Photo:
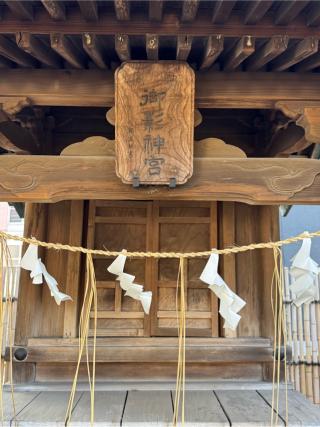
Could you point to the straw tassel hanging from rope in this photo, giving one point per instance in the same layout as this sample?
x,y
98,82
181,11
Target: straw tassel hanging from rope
x,y
181,321
280,336
89,300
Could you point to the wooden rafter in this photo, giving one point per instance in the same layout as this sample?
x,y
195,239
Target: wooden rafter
x,y
189,10
184,44
68,50
295,54
256,10
95,88
155,10
221,11
213,49
152,47
269,51
309,64
35,47
21,9
122,8
95,49
9,50
313,16
122,46
288,11
5,63
255,181
56,9
241,51
89,10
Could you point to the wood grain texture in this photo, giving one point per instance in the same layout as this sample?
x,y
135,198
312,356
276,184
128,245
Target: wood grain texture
x,y
202,409
245,408
301,410
95,88
205,23
252,180
153,350
154,122
108,409
21,400
306,114
48,408
148,409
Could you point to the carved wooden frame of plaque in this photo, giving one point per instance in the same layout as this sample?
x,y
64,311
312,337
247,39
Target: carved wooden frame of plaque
x,y
154,122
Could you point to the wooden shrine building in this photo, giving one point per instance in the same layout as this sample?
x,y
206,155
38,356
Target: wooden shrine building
x,y
252,114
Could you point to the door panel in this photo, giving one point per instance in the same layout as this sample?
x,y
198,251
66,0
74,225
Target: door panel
x,y
115,226
153,226
183,227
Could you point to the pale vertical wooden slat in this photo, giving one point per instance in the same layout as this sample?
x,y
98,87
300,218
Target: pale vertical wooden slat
x,y
145,408
228,262
214,244
155,266
108,409
70,327
149,269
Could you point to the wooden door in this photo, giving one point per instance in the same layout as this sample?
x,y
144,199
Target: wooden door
x,y
183,227
144,226
115,226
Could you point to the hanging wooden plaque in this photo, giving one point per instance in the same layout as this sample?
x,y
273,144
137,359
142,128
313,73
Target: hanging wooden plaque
x,y
154,115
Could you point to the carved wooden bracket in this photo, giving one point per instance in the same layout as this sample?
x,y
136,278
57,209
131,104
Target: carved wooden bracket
x,y
12,105
17,135
306,115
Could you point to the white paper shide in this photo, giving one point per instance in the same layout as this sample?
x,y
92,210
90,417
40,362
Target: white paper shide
x,y
303,271
31,261
133,290
230,302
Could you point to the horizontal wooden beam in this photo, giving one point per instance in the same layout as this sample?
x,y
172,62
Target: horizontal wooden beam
x,y
169,25
252,180
154,350
95,88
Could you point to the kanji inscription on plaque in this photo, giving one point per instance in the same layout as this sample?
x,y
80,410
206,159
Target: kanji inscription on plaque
x,y
154,119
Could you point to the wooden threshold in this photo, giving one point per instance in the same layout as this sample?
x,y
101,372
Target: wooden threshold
x,y
271,181
144,350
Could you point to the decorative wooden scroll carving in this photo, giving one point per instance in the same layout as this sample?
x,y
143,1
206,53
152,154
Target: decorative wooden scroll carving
x,y
154,118
253,180
305,114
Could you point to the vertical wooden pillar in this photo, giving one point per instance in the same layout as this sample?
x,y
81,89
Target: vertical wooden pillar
x,y
29,306
268,217
248,272
227,239
70,323
30,296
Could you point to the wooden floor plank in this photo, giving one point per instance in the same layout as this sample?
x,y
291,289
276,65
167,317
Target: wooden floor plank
x,y
108,409
202,409
21,400
245,408
144,408
47,409
301,411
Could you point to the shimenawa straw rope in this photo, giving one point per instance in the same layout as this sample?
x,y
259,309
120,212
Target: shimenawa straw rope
x,y
91,298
